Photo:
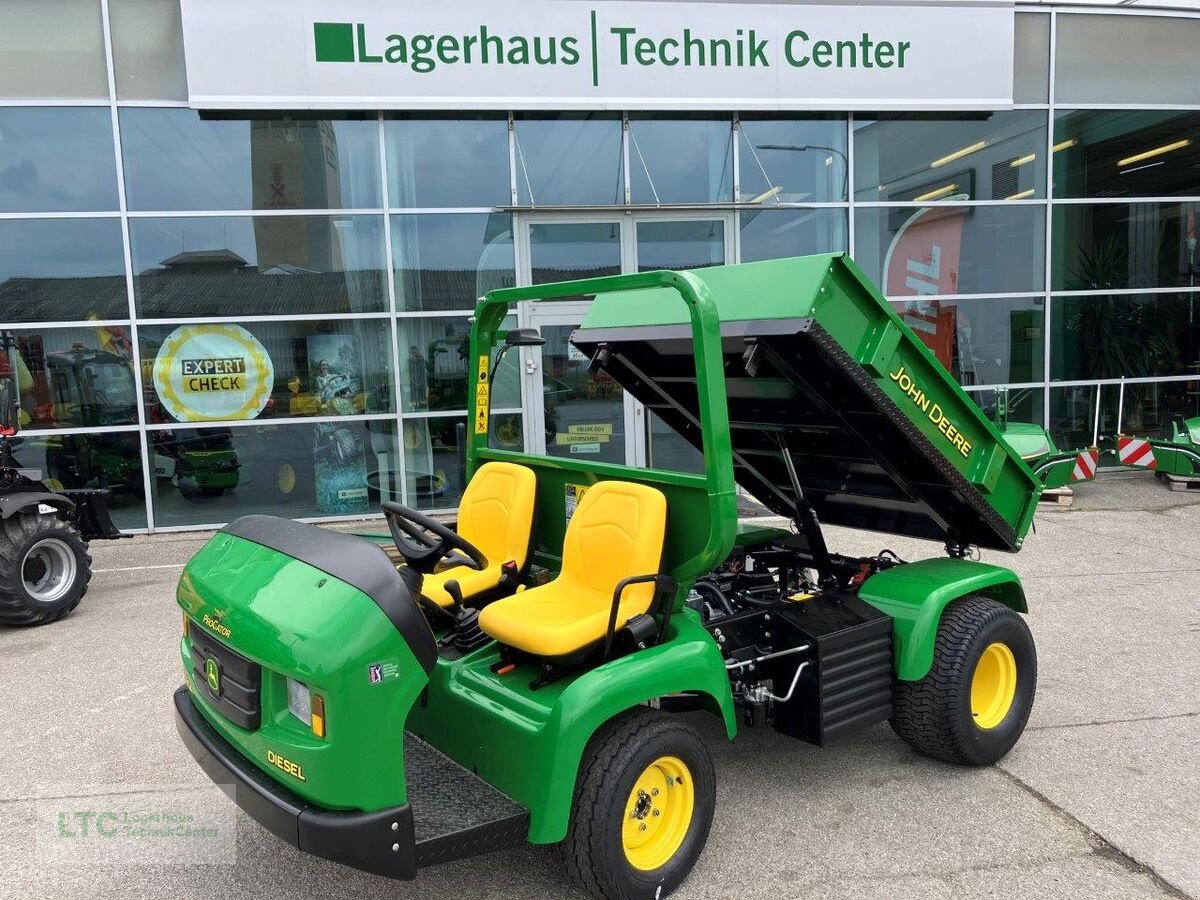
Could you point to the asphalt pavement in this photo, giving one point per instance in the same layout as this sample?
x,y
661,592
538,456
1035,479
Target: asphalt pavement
x,y
1099,799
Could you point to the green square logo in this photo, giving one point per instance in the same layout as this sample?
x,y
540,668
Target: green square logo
x,y
335,41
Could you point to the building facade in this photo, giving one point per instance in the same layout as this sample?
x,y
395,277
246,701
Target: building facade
x,y
213,313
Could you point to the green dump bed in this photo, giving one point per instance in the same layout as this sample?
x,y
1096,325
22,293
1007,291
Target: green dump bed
x,y
819,369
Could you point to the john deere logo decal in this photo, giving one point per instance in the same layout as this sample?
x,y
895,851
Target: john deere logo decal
x,y
212,674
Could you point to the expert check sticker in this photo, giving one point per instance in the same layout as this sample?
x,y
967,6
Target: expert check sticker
x,y
388,670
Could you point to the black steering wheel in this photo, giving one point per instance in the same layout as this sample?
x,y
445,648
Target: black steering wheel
x,y
424,543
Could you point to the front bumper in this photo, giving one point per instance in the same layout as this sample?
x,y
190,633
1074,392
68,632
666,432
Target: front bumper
x,y
381,842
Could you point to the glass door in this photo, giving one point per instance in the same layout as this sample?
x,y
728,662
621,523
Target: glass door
x,y
572,412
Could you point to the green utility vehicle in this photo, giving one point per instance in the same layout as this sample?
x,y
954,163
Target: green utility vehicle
x,y
518,679
1176,453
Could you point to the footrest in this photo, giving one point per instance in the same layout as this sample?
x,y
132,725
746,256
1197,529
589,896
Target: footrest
x,y
455,812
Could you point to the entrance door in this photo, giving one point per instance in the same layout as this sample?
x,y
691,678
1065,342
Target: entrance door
x,y
573,413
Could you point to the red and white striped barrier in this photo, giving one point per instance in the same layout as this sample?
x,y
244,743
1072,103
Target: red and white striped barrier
x,y
1136,452
1085,465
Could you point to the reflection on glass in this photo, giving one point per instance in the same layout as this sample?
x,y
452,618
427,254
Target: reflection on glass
x,y
262,265
177,159
792,159
110,461
328,368
443,161
982,341
435,460
1125,335
1154,409
668,451
506,431
1024,405
1127,153
434,363
1125,245
680,158
585,413
777,234
565,158
60,269
73,377
449,261
57,159
925,156
1073,414
212,475
565,252
951,250
683,244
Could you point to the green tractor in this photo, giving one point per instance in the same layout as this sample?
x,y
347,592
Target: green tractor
x,y
518,678
44,530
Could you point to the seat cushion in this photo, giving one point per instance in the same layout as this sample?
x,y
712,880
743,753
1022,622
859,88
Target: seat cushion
x,y
617,532
470,581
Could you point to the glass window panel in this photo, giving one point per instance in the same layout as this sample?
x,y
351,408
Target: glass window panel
x,y
584,411
669,451
982,341
570,250
952,250
212,475
441,161
1152,408
1031,59
1127,153
1124,245
80,377
682,244
435,460
777,234
261,265
328,368
57,159
794,159
569,158
435,369
1024,405
1125,335
52,48
176,159
1073,415
930,156
450,261
680,158
147,39
1126,59
110,461
61,269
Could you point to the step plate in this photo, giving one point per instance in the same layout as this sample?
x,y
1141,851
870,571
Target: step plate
x,y
455,812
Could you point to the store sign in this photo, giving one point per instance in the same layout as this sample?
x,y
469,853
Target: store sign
x,y
205,373
556,54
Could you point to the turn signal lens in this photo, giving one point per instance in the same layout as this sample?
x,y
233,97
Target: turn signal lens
x,y
318,715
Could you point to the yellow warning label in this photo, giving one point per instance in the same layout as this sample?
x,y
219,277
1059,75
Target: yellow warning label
x,y
564,439
605,428
482,394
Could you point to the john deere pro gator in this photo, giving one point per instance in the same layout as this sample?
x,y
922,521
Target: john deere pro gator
x,y
518,678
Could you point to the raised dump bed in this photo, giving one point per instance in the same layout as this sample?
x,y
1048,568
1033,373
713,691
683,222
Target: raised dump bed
x,y
824,383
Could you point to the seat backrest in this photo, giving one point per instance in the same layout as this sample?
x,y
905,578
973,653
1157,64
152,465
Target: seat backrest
x,y
617,532
496,512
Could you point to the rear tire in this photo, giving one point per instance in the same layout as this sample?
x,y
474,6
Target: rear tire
x,y
644,804
44,569
973,705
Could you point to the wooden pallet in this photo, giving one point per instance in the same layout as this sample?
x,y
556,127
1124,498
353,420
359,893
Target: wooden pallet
x,y
1178,483
1062,496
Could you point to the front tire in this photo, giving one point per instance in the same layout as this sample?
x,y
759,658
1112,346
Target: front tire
x,y
973,705
44,569
643,808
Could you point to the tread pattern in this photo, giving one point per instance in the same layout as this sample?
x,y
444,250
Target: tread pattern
x,y
619,738
16,533
927,713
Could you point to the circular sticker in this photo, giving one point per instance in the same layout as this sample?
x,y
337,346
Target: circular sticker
x,y
204,373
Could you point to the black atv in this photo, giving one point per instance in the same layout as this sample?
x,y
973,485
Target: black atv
x,y
44,563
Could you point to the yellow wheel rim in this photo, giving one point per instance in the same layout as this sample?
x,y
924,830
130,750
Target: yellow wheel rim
x,y
658,813
993,686
286,479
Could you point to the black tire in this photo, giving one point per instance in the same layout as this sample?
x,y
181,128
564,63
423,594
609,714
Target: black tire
x,y
935,716
593,853
26,539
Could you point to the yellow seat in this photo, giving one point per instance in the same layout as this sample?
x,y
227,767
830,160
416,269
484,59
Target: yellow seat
x,y
617,532
496,515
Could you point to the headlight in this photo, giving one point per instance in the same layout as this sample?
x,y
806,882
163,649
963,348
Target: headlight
x,y
309,708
